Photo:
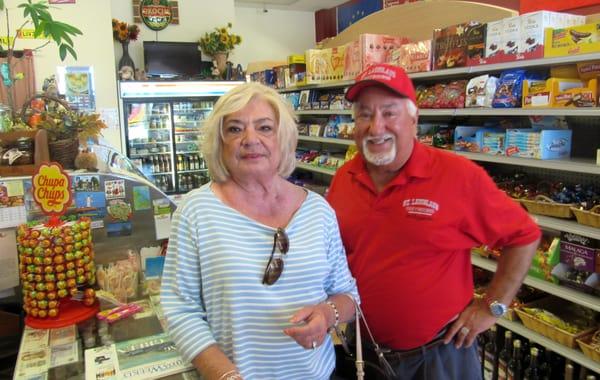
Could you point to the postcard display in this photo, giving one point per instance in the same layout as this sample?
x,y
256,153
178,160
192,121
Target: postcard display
x,y
163,123
112,213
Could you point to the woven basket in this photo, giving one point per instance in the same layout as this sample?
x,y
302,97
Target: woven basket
x,y
64,152
546,329
542,205
61,151
587,348
588,217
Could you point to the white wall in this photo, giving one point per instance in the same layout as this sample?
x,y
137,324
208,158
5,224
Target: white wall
x,y
195,18
94,48
273,35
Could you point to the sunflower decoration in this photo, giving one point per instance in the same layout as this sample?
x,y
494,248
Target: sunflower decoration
x,y
123,32
220,40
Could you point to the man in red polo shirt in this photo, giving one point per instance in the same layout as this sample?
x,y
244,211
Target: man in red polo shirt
x,y
409,215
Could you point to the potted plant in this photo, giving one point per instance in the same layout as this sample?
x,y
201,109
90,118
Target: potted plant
x,y
123,33
219,43
37,14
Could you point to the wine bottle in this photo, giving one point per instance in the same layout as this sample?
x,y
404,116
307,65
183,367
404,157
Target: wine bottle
x,y
532,372
490,357
515,365
504,356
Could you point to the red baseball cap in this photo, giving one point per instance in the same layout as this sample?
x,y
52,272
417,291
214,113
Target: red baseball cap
x,y
391,77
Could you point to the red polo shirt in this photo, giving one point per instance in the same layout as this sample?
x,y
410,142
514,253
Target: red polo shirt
x,y
409,246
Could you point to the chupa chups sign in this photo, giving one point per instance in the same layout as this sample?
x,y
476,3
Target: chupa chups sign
x,y
156,14
51,188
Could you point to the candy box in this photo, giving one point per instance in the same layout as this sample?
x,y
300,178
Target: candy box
x,y
493,38
377,48
466,139
511,35
578,256
533,25
318,67
576,95
413,57
545,144
492,141
546,257
297,69
579,39
577,279
352,60
336,63
450,47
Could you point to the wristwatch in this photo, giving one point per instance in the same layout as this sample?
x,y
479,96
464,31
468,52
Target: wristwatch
x,y
497,308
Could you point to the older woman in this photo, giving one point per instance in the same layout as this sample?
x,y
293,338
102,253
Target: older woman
x,y
255,273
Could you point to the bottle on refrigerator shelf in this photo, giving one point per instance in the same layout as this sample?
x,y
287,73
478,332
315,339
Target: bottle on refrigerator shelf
x,y
179,163
490,356
569,371
532,372
504,356
515,365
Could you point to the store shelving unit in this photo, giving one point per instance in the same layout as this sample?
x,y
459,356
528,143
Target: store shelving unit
x,y
581,167
326,140
569,353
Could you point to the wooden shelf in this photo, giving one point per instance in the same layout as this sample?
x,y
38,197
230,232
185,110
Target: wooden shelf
x,y
587,300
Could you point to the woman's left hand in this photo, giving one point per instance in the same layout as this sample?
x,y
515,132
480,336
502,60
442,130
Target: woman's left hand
x,y
312,333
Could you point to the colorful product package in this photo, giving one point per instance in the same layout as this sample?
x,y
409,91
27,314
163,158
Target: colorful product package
x,y
317,65
509,90
573,40
544,144
493,38
480,91
413,57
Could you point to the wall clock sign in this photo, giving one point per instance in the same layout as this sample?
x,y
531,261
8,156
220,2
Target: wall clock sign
x,y
156,14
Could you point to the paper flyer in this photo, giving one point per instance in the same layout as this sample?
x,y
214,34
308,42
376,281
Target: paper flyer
x,y
102,363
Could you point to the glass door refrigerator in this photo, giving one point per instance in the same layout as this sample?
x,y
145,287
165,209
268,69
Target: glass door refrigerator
x,y
162,124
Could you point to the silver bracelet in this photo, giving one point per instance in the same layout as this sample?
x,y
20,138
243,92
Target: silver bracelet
x,y
336,313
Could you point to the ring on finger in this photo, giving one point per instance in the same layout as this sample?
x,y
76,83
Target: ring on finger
x,y
464,330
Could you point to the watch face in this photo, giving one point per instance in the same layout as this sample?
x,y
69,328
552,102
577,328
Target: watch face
x,y
497,309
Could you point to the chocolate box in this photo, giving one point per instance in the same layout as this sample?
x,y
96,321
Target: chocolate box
x,y
578,256
450,47
533,25
511,35
493,38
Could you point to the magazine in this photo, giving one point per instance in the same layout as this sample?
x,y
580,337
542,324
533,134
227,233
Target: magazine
x,y
149,357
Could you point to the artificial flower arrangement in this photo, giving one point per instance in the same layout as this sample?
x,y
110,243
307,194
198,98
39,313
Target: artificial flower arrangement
x,y
221,40
123,32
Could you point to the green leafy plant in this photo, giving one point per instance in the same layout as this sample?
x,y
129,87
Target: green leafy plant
x,y
36,14
66,124
220,40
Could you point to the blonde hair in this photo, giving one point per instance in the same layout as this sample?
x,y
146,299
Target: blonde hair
x,y
235,100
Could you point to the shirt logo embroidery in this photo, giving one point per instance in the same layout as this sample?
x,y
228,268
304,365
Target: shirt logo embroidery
x,y
419,206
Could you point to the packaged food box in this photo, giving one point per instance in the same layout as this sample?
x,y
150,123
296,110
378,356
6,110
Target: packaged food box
x,y
352,60
545,144
451,44
578,252
466,139
336,63
297,69
492,141
493,38
547,256
577,279
413,57
317,65
533,25
511,35
559,92
579,39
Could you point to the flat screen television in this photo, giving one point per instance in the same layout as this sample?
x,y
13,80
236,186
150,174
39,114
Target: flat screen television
x,y
172,59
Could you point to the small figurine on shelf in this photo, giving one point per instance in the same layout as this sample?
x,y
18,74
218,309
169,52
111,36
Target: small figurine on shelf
x,y
126,73
87,160
140,74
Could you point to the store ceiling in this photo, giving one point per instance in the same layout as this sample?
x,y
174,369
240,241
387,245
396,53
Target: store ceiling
x,y
290,5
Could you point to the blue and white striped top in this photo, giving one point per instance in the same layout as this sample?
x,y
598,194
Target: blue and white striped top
x,y
212,287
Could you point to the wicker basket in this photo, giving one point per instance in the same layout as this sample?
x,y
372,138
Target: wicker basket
x,y
587,348
64,152
546,329
542,205
588,217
